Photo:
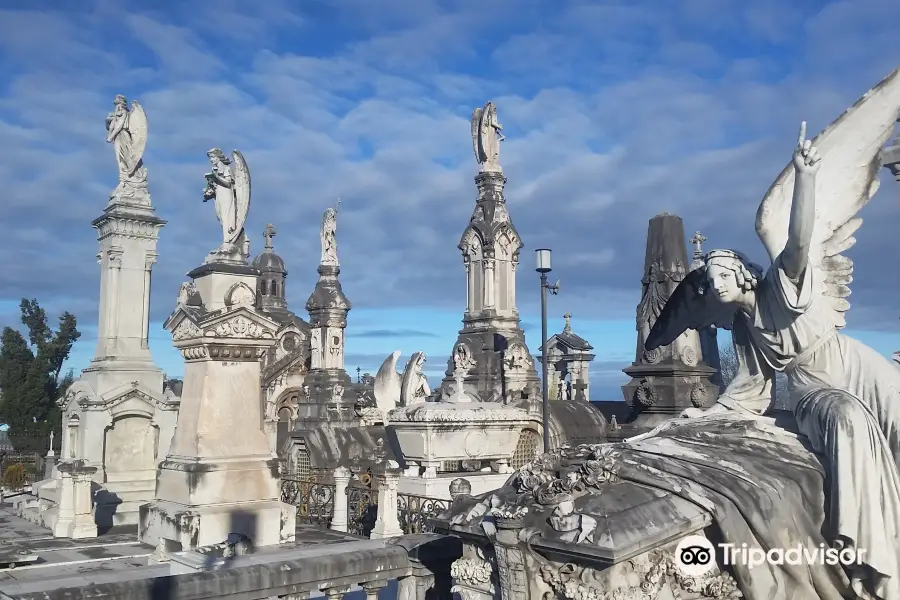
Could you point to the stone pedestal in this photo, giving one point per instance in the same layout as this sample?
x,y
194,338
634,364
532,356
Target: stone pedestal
x,y
667,380
75,519
387,523
220,476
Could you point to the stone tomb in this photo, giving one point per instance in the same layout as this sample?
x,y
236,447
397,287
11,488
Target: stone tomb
x,y
216,481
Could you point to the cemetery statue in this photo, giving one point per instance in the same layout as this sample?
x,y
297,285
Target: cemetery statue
x,y
415,385
127,132
486,137
844,396
327,237
229,187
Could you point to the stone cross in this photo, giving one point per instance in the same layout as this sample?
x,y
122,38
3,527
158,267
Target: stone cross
x,y
580,386
51,453
269,233
697,239
568,327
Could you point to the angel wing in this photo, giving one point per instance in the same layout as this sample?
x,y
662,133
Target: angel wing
x,y
851,157
691,306
137,127
387,383
476,134
241,188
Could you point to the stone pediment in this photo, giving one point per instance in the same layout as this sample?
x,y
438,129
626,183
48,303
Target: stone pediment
x,y
127,397
78,394
241,322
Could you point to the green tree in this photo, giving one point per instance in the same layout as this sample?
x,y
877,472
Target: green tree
x,y
30,379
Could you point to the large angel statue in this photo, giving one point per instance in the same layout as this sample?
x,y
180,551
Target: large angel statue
x,y
127,131
487,133
830,474
229,187
328,237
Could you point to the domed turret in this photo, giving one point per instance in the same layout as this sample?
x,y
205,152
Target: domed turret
x,y
270,288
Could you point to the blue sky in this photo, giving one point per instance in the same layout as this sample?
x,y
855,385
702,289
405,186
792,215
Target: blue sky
x,y
613,112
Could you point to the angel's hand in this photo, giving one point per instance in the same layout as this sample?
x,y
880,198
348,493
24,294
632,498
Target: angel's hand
x,y
806,156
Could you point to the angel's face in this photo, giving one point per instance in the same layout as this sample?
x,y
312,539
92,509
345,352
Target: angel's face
x,y
723,283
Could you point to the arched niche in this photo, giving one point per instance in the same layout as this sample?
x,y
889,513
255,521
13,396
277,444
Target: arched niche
x,y
130,447
473,259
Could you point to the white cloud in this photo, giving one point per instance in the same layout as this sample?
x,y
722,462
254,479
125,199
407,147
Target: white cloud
x,y
612,113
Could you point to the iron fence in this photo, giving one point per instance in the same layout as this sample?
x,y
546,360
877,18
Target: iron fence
x,y
314,500
414,512
362,509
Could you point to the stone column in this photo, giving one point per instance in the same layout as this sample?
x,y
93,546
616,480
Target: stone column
x,y
372,588
341,482
113,301
149,261
387,524
489,283
76,519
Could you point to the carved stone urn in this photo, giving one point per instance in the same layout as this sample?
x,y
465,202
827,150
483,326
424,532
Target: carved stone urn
x,y
430,433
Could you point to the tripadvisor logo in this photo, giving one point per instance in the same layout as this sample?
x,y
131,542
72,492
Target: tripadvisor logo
x,y
696,555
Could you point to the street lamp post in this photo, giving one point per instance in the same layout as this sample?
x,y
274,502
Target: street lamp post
x,y
544,267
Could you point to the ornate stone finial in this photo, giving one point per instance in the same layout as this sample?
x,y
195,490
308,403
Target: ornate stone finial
x,y
568,327
486,137
269,233
697,240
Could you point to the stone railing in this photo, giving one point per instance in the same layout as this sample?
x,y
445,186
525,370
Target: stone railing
x,y
420,564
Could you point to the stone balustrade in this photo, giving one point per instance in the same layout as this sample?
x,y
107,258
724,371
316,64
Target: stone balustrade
x,y
418,562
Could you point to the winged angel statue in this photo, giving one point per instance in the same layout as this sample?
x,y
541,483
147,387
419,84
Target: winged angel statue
x,y
229,187
828,476
127,132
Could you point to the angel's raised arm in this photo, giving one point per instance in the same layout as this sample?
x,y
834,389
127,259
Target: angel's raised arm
x,y
795,256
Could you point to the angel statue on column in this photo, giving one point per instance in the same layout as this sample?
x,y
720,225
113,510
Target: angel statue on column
x,y
327,236
826,473
229,188
127,131
487,133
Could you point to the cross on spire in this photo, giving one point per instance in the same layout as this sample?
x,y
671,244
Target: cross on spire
x,y
697,239
568,318
269,233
